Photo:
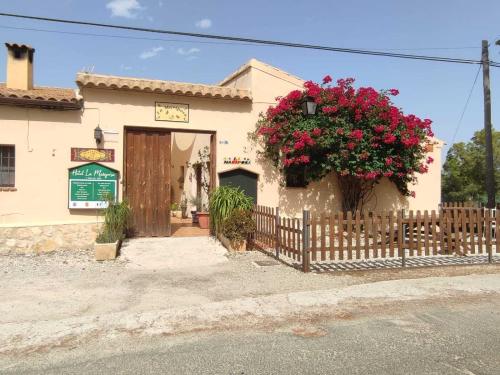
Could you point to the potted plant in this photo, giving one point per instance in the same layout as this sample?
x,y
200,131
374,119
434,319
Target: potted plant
x,y
203,218
175,209
196,203
236,229
184,205
223,201
109,239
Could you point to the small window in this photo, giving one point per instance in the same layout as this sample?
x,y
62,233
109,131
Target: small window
x,y
7,166
295,177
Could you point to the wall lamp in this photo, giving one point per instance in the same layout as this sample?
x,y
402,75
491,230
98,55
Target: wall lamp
x,y
98,134
309,106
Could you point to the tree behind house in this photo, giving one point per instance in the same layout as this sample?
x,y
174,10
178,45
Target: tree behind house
x,y
464,171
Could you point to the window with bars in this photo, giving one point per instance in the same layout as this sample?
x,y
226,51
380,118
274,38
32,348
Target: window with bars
x,y
295,177
7,165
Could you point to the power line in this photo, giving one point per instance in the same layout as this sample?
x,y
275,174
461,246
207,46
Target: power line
x,y
465,106
254,41
203,42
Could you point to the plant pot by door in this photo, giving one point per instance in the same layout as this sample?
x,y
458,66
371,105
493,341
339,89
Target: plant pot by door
x,y
194,215
203,220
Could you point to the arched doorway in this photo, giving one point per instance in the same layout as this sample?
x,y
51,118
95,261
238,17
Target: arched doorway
x,y
245,180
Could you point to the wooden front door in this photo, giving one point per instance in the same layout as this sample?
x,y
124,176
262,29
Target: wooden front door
x,y
147,181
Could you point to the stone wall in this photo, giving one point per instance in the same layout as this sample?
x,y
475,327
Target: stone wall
x,y
47,238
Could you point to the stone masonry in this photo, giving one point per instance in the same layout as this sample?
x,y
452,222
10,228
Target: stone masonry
x,y
37,239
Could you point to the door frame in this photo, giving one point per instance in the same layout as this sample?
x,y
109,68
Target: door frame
x,y
213,151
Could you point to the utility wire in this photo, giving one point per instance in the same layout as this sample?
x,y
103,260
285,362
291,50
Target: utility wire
x,y
465,106
198,41
254,41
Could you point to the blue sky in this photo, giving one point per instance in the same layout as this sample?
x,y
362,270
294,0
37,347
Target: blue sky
x,y
432,90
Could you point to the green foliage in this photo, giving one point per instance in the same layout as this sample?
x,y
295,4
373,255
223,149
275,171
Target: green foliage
x,y
358,134
174,206
223,201
238,225
464,171
116,217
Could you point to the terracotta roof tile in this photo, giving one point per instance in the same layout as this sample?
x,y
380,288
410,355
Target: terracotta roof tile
x,y
158,86
45,95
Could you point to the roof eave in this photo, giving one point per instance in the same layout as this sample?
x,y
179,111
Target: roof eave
x,y
44,104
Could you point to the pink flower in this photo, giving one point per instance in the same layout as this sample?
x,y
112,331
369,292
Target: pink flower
x,y
413,194
430,160
299,145
351,145
379,128
332,109
388,161
304,159
393,92
388,174
316,132
327,79
340,131
356,134
389,138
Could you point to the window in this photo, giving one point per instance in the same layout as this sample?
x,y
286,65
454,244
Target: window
x,y
7,165
295,177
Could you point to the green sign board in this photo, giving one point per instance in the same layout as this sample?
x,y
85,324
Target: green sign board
x,y
92,185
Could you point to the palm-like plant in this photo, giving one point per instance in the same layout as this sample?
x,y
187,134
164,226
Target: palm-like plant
x,y
223,201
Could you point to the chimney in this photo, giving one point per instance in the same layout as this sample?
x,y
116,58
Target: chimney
x,y
19,66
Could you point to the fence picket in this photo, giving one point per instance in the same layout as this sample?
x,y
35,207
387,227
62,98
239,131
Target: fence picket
x,y
358,234
340,217
410,234
383,234
426,232
465,214
313,238
349,235
434,232
322,238
419,232
366,222
391,234
331,221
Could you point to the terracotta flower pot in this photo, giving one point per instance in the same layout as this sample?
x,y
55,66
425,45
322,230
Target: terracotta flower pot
x,y
203,220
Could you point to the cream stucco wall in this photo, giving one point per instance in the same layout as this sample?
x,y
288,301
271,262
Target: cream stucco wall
x,y
43,140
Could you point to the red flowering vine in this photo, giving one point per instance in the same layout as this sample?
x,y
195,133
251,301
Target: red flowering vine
x,y
357,133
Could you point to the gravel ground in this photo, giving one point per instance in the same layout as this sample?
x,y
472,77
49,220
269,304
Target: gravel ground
x,y
66,284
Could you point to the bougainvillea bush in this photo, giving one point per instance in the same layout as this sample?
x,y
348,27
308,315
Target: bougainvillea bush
x,y
357,133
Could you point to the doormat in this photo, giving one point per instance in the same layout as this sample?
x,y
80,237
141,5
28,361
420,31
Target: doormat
x,y
266,263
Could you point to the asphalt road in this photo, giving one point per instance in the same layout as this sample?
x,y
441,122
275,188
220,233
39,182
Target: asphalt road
x,y
423,338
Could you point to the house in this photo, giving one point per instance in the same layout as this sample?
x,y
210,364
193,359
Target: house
x,y
62,150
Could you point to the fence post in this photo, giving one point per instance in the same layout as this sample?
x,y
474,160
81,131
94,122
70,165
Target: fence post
x,y
401,237
277,232
487,219
305,240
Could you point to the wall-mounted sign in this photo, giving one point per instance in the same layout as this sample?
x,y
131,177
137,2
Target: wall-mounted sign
x,y
92,154
171,112
92,186
236,160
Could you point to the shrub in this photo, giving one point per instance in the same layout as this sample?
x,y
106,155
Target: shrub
x,y
116,217
238,225
359,134
223,201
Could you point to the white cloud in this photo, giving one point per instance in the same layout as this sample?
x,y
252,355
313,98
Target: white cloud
x,y
124,8
150,53
205,23
187,51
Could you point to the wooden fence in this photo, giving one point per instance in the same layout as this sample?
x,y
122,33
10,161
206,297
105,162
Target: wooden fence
x,y
341,237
